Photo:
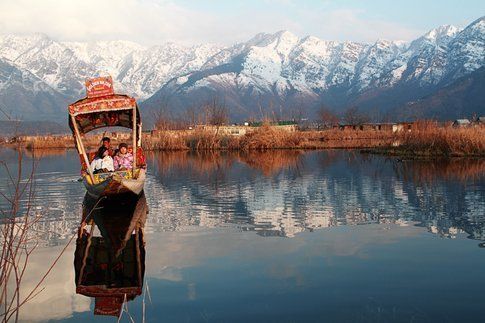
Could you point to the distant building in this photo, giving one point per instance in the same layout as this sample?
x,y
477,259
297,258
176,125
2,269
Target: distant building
x,y
402,126
384,126
461,123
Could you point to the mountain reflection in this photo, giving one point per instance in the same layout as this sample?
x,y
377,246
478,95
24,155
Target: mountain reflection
x,y
280,193
306,191
109,259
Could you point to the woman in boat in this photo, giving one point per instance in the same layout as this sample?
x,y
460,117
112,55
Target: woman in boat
x,y
103,161
123,159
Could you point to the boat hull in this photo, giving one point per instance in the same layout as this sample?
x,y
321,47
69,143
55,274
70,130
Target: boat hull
x,y
115,185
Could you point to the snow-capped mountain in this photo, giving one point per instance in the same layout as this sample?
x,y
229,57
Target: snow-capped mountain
x,y
138,70
143,72
22,93
269,71
282,71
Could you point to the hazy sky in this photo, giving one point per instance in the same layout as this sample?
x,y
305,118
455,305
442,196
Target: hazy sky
x,y
188,21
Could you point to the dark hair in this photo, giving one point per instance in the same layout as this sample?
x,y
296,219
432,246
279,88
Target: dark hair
x,y
123,145
106,139
101,151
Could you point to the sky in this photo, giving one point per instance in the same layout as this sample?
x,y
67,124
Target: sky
x,y
151,22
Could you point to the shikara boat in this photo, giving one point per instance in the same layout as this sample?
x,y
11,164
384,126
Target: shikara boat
x,y
99,109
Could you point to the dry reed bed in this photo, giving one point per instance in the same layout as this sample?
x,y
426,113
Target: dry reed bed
x,y
63,142
267,137
425,140
429,141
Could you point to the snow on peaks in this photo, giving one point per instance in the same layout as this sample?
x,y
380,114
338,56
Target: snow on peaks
x,y
442,34
478,24
13,46
286,41
107,50
278,61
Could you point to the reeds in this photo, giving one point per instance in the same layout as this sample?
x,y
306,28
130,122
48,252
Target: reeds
x,y
427,139
166,140
267,137
348,139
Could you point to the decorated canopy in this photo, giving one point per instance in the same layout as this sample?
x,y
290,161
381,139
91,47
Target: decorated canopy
x,y
103,108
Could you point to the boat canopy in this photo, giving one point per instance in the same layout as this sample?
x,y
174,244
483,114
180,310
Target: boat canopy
x,y
109,111
103,108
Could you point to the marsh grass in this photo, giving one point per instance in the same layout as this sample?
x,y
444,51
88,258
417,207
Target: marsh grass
x,y
425,139
430,140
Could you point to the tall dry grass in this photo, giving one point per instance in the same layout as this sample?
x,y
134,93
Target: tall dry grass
x,y
425,139
336,138
430,140
267,137
165,141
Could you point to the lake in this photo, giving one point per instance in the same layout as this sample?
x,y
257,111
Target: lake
x,y
279,236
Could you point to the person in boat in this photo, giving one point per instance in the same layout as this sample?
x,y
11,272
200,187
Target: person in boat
x,y
123,159
103,162
106,142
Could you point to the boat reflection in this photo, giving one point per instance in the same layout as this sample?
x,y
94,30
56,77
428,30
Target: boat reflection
x,y
109,259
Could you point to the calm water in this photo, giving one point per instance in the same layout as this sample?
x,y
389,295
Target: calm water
x,y
331,236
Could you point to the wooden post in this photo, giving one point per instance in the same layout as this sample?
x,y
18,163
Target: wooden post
x,y
134,141
81,147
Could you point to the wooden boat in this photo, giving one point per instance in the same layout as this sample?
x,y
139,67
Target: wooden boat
x,y
110,265
103,108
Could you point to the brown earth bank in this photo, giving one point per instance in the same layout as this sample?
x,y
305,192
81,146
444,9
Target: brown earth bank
x,y
423,139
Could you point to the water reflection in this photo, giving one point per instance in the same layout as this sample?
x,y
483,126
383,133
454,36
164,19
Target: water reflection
x,y
280,193
284,193
423,172
212,258
109,259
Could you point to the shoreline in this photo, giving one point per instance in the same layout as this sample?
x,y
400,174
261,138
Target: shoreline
x,y
427,142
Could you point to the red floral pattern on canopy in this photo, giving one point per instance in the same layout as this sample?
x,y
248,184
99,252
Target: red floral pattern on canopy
x,y
100,104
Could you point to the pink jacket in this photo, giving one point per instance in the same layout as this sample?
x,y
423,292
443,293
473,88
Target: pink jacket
x,y
123,161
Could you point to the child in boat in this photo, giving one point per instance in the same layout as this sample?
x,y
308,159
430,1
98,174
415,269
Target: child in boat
x,y
103,161
123,159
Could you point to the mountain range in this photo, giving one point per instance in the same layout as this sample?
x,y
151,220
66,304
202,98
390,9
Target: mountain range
x,y
270,74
